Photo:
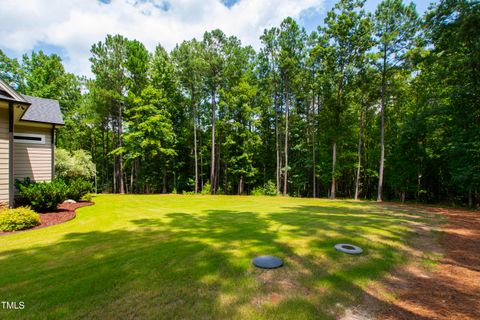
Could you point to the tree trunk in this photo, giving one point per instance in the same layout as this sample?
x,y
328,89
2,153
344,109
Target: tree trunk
x,y
175,179
201,161
314,169
103,155
212,161
114,187
334,162
280,147
337,122
470,198
218,160
126,182
94,150
120,157
285,178
92,146
137,175
225,178
132,175
277,143
359,154
107,151
194,111
318,117
382,128
240,186
164,177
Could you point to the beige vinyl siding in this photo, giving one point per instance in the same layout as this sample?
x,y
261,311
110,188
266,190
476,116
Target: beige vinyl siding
x,y
3,154
33,160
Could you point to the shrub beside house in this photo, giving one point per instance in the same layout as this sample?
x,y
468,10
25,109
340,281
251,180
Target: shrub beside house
x,y
73,171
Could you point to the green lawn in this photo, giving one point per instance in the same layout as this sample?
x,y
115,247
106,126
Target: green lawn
x,y
189,257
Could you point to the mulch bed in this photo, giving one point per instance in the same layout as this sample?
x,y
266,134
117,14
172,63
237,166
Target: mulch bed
x,y
451,290
64,213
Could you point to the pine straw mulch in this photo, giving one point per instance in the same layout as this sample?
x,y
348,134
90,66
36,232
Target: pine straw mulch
x,y
447,289
65,212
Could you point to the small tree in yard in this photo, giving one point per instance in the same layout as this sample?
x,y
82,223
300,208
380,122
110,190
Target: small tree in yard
x,y
76,164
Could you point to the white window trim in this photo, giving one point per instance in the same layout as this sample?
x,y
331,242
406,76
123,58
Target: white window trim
x,y
33,135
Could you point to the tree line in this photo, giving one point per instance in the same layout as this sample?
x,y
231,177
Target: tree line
x,y
381,105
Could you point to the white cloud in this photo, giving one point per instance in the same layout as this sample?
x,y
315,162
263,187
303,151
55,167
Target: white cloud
x,y
75,25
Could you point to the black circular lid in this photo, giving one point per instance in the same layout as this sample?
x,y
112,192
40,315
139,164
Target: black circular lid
x,y
348,248
267,262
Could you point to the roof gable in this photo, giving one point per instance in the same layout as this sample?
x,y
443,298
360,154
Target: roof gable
x,y
7,93
39,109
43,110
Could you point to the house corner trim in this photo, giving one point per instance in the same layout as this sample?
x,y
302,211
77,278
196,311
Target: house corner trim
x,y
11,179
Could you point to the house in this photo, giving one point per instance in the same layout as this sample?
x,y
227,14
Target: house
x,y
27,132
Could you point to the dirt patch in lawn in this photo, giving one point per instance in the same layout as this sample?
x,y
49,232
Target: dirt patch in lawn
x,y
64,213
442,281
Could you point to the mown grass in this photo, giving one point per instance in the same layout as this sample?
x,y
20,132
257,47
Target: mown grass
x,y
189,257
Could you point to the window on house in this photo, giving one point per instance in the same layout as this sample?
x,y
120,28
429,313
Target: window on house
x,y
29,138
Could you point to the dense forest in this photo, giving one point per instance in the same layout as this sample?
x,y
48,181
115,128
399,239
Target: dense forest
x,y
382,105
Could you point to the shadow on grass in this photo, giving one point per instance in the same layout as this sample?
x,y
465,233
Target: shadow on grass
x,y
198,266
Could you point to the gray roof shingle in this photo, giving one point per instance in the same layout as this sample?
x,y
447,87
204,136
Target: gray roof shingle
x,y
43,110
39,109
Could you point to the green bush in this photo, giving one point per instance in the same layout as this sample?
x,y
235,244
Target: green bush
x,y
43,196
206,189
74,164
257,191
269,189
18,219
78,188
88,197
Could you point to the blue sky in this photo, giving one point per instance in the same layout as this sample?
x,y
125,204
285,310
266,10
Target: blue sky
x,y
69,28
310,20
